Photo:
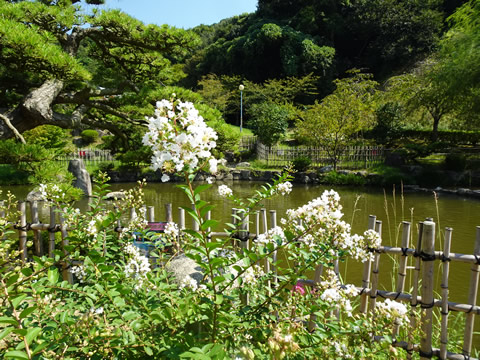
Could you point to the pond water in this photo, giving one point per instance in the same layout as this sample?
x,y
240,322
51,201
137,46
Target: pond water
x,y
461,214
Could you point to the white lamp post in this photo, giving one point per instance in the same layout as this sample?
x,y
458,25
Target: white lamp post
x,y
241,87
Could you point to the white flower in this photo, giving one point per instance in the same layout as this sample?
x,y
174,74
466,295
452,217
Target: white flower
x,y
209,180
284,188
165,178
171,230
225,191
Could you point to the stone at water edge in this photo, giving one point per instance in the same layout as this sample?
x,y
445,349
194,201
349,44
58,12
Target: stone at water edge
x,y
82,177
183,267
115,195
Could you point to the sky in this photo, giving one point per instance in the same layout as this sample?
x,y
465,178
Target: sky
x,y
183,13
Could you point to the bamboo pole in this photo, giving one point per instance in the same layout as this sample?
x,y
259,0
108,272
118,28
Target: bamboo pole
x,y
273,224
428,250
316,280
366,271
51,232
446,268
66,273
151,214
181,225
22,233
37,236
402,265
472,298
375,270
414,298
244,231
168,212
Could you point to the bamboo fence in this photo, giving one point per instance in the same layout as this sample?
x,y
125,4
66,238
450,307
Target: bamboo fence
x,y
88,155
352,157
422,256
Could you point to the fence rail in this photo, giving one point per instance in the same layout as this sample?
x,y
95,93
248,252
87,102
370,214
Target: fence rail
x,y
353,157
422,255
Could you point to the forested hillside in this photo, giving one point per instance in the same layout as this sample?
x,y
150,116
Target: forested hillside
x,y
295,38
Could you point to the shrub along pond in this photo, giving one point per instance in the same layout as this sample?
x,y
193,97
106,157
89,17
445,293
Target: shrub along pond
x,y
358,203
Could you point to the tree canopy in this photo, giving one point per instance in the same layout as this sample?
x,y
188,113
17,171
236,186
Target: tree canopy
x,y
65,67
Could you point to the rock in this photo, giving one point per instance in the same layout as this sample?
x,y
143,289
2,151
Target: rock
x,y
34,195
82,177
243,164
182,267
236,174
115,195
228,176
245,174
325,169
200,177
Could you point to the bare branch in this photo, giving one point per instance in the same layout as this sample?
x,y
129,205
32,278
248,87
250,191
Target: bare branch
x,y
7,122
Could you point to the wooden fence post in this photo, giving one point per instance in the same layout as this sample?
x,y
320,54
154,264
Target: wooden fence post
x,y
37,236
168,211
444,286
181,225
366,271
402,265
375,270
22,233
151,214
472,298
414,301
66,273
427,255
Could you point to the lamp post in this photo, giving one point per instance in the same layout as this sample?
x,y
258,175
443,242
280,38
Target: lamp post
x,y
241,87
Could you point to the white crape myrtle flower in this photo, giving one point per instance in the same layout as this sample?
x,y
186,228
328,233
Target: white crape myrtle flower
x,y
335,294
225,191
171,230
165,178
180,139
275,235
91,228
79,272
393,310
137,265
284,188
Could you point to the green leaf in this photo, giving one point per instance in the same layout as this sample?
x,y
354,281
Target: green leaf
x,y
52,275
130,315
218,299
27,311
32,334
18,300
118,301
16,354
201,188
209,223
148,350
27,271
8,320
5,332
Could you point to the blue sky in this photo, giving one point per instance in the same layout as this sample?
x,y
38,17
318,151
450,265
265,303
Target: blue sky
x,y
183,13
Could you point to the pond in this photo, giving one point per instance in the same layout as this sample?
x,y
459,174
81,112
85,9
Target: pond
x,y
461,214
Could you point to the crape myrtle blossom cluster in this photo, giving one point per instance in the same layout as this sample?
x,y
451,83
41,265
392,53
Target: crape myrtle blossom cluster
x,y
137,265
336,294
180,139
319,224
393,310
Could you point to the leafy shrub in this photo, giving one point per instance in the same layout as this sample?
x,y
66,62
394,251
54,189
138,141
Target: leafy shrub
x,y
133,159
89,136
48,136
388,125
269,122
302,163
336,178
455,162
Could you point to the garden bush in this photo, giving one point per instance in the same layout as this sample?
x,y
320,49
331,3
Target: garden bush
x,y
336,178
301,163
455,162
89,136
